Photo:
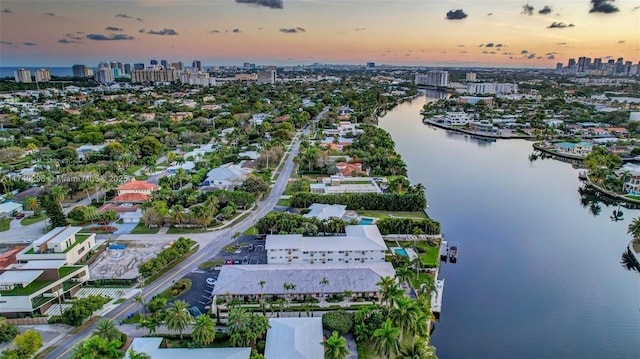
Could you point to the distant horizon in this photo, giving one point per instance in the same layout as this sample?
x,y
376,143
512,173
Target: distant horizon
x,y
448,33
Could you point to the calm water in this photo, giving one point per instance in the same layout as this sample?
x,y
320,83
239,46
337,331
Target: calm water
x,y
538,276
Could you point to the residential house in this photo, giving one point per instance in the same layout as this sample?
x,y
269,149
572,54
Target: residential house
x,y
226,176
293,338
632,184
134,191
61,243
360,244
180,116
350,169
152,346
340,185
281,119
456,118
326,211
84,150
579,149
9,209
33,287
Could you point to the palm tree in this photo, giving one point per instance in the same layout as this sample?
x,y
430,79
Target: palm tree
x,y
177,214
238,320
137,355
634,228
204,331
419,349
107,329
404,274
324,282
32,203
386,339
404,315
58,193
178,317
335,347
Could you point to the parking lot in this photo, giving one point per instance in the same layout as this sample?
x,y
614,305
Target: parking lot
x,y
200,293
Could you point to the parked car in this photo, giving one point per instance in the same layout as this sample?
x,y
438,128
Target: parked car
x,y
20,216
245,260
196,311
211,281
252,247
236,261
229,261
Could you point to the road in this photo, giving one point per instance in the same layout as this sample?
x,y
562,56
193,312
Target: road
x,y
215,242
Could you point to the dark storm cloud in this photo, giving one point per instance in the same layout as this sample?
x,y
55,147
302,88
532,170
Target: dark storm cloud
x,y
215,31
50,14
113,28
163,32
531,56
527,9
6,43
551,57
139,19
28,44
621,42
559,25
288,31
236,31
524,52
603,6
489,44
301,29
124,16
114,37
273,4
456,14
545,10
634,9
7,11
490,14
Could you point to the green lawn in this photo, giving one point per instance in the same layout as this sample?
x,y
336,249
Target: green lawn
x,y
64,271
80,238
142,229
285,202
429,255
250,231
32,287
167,292
177,230
422,278
384,214
133,169
633,197
31,220
4,224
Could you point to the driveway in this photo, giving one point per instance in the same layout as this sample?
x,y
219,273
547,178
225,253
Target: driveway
x,y
125,228
200,293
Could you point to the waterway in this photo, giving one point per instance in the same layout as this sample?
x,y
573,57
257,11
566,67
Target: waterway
x,y
538,274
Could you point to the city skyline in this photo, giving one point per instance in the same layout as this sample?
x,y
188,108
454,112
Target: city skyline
x,y
289,32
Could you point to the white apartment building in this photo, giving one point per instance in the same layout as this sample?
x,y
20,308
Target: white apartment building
x,y
42,75
361,244
266,77
197,78
433,78
61,243
155,74
490,88
456,118
22,75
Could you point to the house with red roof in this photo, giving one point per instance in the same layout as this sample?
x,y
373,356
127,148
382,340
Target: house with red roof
x,y
134,192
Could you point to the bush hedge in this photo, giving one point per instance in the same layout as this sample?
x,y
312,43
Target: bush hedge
x,y
340,321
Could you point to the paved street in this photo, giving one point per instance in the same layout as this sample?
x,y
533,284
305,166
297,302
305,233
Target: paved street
x,y
210,244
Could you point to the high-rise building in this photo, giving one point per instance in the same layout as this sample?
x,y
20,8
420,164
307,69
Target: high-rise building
x,y
581,64
620,65
22,75
471,76
559,67
433,78
371,65
196,65
153,63
105,75
164,64
138,66
82,71
127,69
249,66
597,63
155,74
266,77
42,75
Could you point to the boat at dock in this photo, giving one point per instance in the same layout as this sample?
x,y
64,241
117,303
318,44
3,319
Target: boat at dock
x,y
444,249
453,254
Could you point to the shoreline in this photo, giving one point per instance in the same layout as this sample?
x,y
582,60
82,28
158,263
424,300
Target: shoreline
x,y
475,133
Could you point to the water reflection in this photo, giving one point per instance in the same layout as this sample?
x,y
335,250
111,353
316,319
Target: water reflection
x,y
629,261
539,155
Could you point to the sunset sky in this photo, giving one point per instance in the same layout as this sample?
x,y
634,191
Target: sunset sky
x,y
281,32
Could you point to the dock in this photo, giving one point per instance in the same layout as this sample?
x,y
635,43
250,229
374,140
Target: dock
x,y
444,248
436,297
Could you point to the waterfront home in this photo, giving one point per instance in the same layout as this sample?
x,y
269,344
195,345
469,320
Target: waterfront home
x,y
152,346
360,244
630,172
579,149
350,169
456,118
294,338
251,282
134,191
326,211
341,185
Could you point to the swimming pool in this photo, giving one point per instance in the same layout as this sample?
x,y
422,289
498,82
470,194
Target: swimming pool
x,y
402,252
365,221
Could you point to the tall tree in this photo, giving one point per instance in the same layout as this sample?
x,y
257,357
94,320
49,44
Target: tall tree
x,y
178,317
238,320
58,193
97,347
335,347
386,339
107,329
204,331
